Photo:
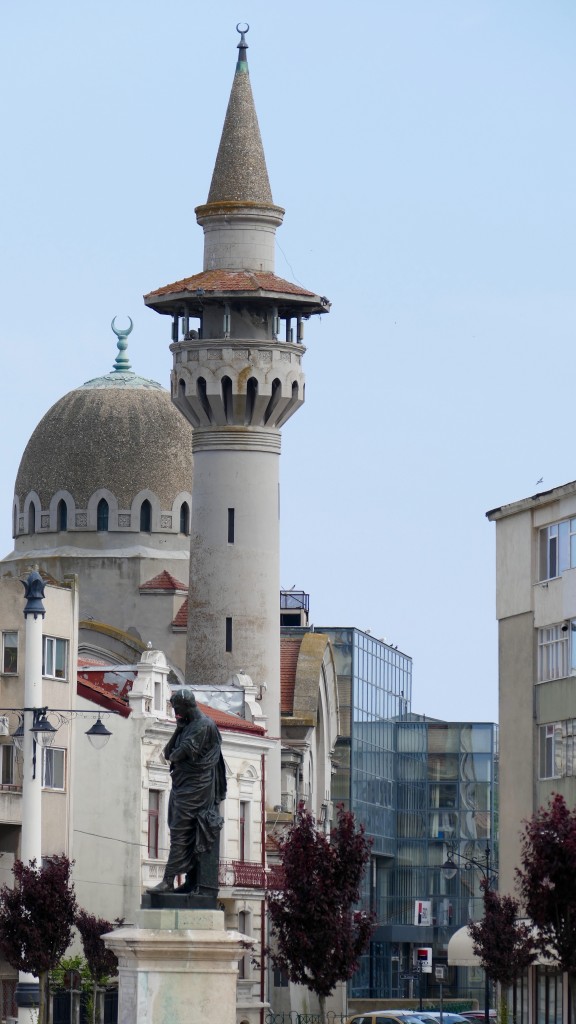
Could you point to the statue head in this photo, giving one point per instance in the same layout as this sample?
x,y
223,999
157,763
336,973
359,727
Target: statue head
x,y
184,703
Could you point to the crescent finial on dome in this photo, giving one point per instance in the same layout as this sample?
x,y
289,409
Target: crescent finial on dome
x,y
122,363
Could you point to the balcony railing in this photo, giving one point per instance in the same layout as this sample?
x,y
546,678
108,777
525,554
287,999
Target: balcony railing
x,y
245,873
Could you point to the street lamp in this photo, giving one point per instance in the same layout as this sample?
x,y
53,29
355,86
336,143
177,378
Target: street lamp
x,y
490,876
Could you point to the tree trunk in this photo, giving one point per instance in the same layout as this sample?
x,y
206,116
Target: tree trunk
x,y
572,996
44,1004
322,1001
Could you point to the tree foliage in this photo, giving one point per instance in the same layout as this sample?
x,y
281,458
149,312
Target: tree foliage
x,y
102,962
504,944
318,935
36,918
547,880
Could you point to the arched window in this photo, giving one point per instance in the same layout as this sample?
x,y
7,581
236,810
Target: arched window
x,y
62,515
184,518
31,518
102,515
146,516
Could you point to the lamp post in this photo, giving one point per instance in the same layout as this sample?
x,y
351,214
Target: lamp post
x,y
490,876
36,730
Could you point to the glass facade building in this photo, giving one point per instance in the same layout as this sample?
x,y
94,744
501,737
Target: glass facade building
x,y
425,790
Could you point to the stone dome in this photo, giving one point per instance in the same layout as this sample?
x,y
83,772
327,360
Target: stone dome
x,y
117,438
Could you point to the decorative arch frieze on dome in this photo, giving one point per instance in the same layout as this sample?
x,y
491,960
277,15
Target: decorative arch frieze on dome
x,y
158,518
92,510
32,520
59,496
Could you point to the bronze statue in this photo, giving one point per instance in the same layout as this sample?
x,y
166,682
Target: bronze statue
x,y
198,786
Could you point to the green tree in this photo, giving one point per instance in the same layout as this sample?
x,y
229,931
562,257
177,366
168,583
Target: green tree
x,y
36,920
318,935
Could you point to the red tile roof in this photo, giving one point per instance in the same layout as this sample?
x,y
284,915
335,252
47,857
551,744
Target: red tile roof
x,y
231,723
231,281
180,620
165,581
92,691
289,652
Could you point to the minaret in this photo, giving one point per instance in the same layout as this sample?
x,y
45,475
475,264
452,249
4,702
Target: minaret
x,y
237,333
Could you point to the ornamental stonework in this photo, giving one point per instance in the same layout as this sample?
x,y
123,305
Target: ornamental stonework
x,y
124,519
165,522
45,521
20,523
81,519
214,353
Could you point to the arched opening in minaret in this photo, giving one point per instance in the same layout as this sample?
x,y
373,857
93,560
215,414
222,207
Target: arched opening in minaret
x,y
274,399
14,520
145,517
185,518
251,396
31,518
201,392
226,385
62,515
102,516
182,388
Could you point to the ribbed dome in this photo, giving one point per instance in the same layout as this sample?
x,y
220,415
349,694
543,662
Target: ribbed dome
x,y
125,438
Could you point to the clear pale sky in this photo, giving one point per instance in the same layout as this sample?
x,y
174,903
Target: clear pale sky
x,y
424,151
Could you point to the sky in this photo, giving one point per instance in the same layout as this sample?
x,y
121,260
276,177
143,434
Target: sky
x,y
425,154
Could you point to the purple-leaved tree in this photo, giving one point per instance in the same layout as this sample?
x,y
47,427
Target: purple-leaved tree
x,y
36,920
504,944
547,883
318,935
102,962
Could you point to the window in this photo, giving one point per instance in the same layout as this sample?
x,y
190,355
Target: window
x,y
551,751
557,651
243,830
54,656
153,822
228,633
7,764
230,525
146,517
102,515
184,518
53,759
10,653
557,548
62,515
31,518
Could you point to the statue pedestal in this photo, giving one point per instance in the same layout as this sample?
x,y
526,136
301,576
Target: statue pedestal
x,y
177,965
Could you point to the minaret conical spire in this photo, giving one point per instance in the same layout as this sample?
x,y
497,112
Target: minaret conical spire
x,y
240,173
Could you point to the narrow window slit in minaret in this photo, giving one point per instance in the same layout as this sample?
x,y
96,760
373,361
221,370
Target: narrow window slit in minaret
x,y
231,525
201,392
251,395
228,633
226,385
274,399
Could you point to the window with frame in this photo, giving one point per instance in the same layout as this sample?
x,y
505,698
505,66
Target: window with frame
x,y
7,764
557,549
153,823
53,767
551,750
10,652
557,651
54,657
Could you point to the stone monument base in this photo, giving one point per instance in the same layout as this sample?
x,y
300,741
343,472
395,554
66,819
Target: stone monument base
x,y
177,965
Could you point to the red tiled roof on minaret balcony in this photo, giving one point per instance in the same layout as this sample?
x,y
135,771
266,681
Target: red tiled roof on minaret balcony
x,y
164,583
289,652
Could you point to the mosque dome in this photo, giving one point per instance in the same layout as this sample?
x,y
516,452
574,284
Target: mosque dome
x,y
113,455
